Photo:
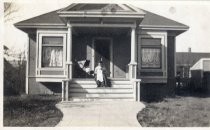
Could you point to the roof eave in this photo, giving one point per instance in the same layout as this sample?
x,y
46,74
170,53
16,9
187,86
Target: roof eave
x,y
82,14
35,25
158,27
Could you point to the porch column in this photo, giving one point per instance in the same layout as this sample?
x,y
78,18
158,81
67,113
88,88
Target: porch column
x,y
133,63
62,91
133,45
69,51
65,82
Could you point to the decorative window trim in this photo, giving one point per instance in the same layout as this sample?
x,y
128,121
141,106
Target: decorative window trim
x,y
153,34
55,33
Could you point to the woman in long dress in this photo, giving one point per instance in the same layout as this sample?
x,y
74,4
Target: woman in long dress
x,y
100,75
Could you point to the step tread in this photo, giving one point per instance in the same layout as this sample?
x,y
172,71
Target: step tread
x,y
79,90
100,92
106,95
101,99
94,82
95,86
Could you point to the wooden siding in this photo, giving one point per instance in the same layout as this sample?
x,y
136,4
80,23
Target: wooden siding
x,y
35,87
32,54
43,88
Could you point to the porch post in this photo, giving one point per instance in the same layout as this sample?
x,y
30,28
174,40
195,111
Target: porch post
x,y
62,91
67,90
133,42
133,63
69,51
65,83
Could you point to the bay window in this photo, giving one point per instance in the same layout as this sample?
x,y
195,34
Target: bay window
x,y
152,55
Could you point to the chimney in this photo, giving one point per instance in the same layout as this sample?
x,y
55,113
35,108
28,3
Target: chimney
x,y
189,49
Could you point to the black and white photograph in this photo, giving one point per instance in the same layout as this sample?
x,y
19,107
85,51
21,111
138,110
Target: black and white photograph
x,y
106,63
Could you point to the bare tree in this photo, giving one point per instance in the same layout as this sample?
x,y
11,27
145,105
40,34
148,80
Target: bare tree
x,y
14,70
9,9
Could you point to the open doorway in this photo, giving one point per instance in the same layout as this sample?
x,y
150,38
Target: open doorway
x,y
102,49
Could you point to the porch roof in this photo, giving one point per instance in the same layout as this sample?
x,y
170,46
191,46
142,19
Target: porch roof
x,y
53,18
101,10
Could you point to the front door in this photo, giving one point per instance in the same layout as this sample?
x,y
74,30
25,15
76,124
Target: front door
x,y
102,47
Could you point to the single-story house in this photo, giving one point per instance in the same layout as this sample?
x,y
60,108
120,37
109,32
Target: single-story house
x,y
185,60
136,46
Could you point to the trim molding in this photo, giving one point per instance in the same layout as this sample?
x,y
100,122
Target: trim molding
x,y
102,25
154,80
158,27
27,65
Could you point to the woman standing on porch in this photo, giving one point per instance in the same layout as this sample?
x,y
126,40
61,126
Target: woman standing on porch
x,y
100,75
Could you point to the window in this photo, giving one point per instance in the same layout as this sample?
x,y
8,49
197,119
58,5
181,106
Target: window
x,y
151,58
151,53
52,51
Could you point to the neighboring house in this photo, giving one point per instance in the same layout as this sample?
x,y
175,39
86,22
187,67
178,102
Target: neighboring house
x,y
200,74
133,44
185,60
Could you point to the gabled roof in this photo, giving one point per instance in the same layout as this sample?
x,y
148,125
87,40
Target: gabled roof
x,y
203,64
150,19
186,58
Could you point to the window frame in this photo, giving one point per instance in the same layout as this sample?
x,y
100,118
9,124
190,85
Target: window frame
x,y
49,33
163,46
152,47
52,45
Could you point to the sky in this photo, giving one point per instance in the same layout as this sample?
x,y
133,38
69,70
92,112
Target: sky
x,y
195,14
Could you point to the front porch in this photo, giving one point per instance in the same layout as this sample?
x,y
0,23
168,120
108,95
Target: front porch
x,y
116,46
111,45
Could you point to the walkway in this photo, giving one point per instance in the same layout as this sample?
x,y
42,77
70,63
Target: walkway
x,y
100,114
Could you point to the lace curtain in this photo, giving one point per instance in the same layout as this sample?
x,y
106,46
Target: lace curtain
x,y
150,58
52,52
52,57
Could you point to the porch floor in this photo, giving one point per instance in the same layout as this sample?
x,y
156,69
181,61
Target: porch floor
x,y
100,114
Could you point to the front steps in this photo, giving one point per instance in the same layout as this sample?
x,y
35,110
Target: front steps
x,y
87,90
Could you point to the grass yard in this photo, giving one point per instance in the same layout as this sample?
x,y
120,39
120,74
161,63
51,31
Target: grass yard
x,y
37,110
177,112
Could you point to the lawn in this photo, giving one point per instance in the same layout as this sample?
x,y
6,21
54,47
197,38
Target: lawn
x,y
31,111
177,112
